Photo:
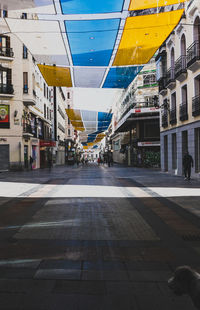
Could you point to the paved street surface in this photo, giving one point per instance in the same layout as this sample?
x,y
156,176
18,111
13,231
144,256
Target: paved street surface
x,y
96,238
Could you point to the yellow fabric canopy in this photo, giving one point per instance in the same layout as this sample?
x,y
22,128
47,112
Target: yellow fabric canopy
x,y
99,137
56,76
143,35
147,4
76,119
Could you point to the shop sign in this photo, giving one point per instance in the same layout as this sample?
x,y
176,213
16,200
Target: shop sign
x,y
34,141
4,116
47,143
149,143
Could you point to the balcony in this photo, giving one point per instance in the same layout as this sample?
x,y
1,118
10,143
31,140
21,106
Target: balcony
x,y
193,56
6,52
164,120
181,68
6,90
173,119
170,80
162,86
27,130
196,106
183,111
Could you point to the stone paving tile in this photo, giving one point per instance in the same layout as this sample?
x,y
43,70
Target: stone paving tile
x,y
106,275
149,276
119,288
147,266
69,274
119,302
145,288
49,302
80,287
11,301
25,285
31,264
60,264
102,265
17,273
163,303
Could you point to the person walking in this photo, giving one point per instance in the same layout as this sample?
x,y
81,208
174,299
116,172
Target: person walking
x,y
31,162
187,164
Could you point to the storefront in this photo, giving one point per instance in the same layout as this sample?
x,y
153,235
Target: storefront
x,y
46,153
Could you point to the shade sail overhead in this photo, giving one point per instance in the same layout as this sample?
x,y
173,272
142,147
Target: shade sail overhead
x,y
143,35
92,124
91,6
92,41
121,77
42,38
147,4
97,41
76,119
32,6
94,77
56,76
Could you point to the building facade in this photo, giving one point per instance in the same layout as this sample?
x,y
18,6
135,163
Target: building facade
x,y
32,115
135,124
178,74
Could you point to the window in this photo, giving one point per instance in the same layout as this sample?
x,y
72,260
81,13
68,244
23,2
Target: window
x,y
69,133
47,93
116,145
45,110
174,151
149,79
184,94
44,90
25,52
47,113
25,82
151,130
197,149
68,106
173,101
68,95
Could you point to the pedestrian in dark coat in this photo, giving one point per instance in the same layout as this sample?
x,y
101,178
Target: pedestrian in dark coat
x,y
187,164
31,162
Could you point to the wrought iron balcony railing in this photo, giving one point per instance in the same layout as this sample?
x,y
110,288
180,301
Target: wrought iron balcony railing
x,y
170,76
183,111
164,120
6,89
162,84
173,119
193,53
6,52
196,105
180,66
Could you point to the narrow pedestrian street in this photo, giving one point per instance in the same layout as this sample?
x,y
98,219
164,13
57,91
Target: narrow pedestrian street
x,y
96,237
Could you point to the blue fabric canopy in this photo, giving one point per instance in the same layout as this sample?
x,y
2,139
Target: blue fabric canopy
x,y
91,6
121,77
90,41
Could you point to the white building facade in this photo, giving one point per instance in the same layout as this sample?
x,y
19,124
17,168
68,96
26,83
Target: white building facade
x,y
178,73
